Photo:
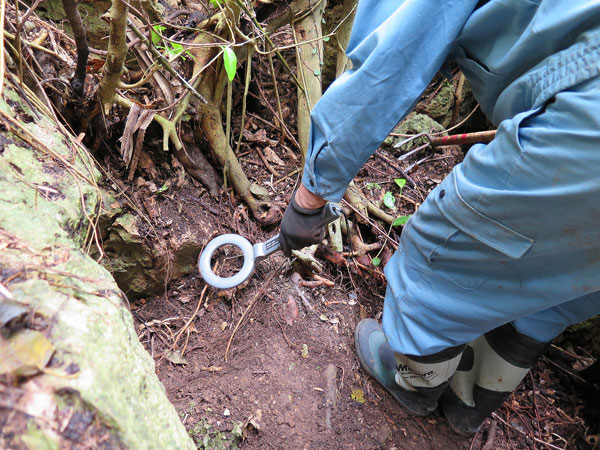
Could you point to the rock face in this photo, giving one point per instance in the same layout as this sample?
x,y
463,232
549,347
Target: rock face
x,y
85,381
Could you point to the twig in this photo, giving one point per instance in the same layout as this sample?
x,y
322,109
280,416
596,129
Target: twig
x,y
397,168
369,221
258,296
18,41
497,417
161,59
458,98
245,97
489,443
192,317
535,406
5,292
276,89
291,174
265,162
2,11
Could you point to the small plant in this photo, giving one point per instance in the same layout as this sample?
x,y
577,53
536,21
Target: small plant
x,y
207,438
230,62
171,49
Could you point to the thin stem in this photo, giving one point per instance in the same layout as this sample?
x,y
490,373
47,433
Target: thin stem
x,y
245,98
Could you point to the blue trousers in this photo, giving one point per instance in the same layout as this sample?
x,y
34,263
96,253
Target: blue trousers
x,y
511,235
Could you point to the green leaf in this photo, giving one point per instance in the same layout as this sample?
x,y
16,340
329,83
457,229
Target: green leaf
x,y
400,182
389,200
163,188
401,220
371,186
174,48
230,62
376,261
154,33
326,38
216,3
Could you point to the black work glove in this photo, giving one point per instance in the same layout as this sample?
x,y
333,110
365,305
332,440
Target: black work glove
x,y
301,227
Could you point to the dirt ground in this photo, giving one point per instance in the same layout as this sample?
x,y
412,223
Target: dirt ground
x,y
291,378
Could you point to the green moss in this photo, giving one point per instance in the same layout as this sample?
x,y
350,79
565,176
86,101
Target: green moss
x,y
91,327
414,123
37,439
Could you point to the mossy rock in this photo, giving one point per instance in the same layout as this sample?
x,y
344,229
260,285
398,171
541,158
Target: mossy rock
x,y
100,385
414,123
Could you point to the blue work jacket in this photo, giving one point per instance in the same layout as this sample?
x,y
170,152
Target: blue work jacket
x,y
516,54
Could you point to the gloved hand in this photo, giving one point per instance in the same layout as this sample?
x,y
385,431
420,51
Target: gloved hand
x,y
301,227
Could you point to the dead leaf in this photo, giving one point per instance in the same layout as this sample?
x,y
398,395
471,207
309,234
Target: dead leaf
x,y
290,311
175,357
252,423
272,156
10,310
358,395
259,136
304,351
363,312
259,191
25,353
211,368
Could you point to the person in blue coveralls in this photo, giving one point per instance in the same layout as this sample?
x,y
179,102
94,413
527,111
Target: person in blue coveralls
x,y
505,252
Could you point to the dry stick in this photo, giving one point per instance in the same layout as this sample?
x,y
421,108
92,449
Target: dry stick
x,y
18,42
369,221
258,296
535,406
268,39
67,38
274,79
397,168
245,97
30,10
192,317
458,98
265,162
265,121
161,59
291,174
497,417
2,11
489,444
36,46
262,94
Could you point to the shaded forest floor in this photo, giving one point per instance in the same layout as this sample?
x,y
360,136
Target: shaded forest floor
x,y
275,389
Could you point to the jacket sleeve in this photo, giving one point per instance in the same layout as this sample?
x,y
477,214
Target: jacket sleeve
x,y
396,47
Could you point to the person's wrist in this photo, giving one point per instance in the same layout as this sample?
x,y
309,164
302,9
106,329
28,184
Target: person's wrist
x,y
306,199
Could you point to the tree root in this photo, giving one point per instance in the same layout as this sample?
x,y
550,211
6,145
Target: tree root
x,y
117,49
212,127
198,167
169,131
78,80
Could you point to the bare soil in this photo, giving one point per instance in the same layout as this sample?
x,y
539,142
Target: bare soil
x,y
291,378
